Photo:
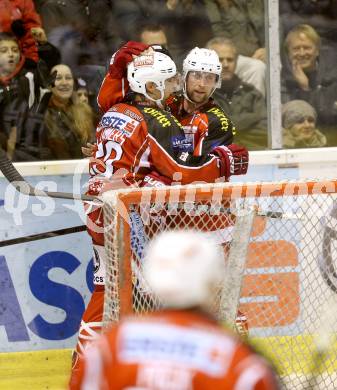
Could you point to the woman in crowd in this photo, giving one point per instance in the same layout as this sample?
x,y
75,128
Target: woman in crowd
x,y
69,123
299,126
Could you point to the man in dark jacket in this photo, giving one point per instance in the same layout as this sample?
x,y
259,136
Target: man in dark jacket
x,y
242,102
308,74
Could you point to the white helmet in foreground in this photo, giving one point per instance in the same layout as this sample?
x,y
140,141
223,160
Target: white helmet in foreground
x,y
184,268
154,67
202,60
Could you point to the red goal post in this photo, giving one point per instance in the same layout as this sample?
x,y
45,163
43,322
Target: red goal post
x,y
287,257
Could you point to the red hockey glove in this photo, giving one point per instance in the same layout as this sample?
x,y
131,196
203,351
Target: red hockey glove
x,y
154,179
234,159
123,56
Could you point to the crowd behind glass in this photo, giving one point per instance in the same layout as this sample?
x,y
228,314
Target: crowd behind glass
x,y
54,55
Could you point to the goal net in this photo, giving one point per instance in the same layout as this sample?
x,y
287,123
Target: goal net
x,y
280,247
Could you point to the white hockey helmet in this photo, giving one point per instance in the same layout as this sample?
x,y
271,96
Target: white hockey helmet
x,y
203,60
184,268
156,67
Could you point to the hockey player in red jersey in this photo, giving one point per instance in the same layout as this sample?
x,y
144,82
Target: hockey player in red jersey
x,y
205,123
135,138
180,346
139,137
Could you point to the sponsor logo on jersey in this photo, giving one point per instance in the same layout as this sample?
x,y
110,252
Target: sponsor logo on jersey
x,y
163,120
117,126
133,115
120,122
138,236
182,143
183,156
191,348
190,129
153,182
222,117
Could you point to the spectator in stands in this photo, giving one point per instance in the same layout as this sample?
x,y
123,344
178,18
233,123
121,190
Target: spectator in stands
x,y
19,91
68,124
84,95
306,75
152,34
242,102
181,346
82,91
320,14
20,18
84,31
55,13
299,126
179,18
242,21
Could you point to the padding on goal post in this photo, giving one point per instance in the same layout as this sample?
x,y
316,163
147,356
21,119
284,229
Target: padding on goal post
x,y
288,264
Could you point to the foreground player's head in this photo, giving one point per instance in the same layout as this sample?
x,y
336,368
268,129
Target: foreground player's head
x,y
201,74
152,75
184,269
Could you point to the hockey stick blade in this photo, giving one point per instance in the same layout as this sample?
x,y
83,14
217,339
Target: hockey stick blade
x,y
21,185
41,236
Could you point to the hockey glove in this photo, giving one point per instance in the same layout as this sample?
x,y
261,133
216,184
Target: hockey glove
x,y
154,179
123,56
234,159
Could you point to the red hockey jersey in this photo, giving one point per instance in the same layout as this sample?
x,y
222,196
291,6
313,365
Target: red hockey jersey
x,y
134,139
183,350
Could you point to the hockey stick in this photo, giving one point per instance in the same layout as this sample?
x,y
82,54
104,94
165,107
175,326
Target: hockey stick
x,y
21,185
41,236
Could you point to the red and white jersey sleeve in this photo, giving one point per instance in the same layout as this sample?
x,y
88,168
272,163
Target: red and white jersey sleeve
x,y
112,91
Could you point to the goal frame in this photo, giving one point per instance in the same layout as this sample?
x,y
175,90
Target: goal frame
x,y
122,199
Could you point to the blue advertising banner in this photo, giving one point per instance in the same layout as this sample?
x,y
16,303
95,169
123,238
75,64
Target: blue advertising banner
x,y
44,284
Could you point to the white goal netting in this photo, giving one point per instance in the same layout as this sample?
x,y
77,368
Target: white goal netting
x,y
280,245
